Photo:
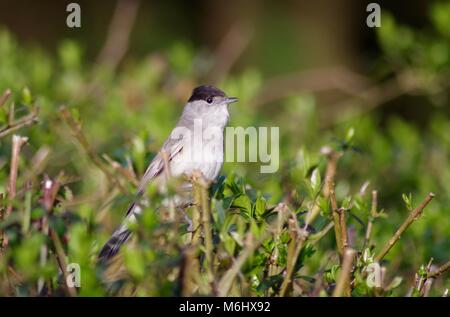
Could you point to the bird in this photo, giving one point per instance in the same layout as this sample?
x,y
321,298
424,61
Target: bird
x,y
196,144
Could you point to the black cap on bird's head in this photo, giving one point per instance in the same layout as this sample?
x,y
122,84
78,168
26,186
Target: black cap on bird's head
x,y
207,93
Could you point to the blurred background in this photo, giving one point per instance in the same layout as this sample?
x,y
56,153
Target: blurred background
x,y
313,68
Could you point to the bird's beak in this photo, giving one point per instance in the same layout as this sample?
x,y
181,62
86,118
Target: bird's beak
x,y
231,100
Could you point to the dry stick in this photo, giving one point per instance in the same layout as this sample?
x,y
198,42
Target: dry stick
x,y
316,80
342,285
125,172
75,127
17,143
380,93
330,174
337,223
343,228
251,245
2,216
61,259
314,238
189,268
119,31
5,97
373,215
50,189
228,52
22,122
11,113
414,215
226,281
273,268
298,238
439,271
196,214
206,224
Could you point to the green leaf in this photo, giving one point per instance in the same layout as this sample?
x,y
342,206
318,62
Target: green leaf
x,y
244,204
260,206
408,200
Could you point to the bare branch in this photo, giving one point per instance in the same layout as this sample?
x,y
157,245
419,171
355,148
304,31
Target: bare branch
x,y
75,127
441,270
332,160
414,215
22,122
373,214
342,286
119,31
5,97
228,52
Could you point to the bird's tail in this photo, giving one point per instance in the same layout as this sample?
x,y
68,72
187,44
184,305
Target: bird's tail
x,y
111,247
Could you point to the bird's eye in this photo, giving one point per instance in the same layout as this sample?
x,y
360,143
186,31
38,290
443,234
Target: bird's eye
x,y
209,100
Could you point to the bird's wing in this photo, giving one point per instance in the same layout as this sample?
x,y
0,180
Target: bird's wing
x,y
172,147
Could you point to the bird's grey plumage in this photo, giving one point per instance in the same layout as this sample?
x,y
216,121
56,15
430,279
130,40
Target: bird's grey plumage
x,y
207,106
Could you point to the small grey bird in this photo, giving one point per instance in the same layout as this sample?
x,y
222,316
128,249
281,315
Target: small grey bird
x,y
196,144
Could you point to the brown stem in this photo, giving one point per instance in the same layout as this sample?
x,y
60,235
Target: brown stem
x,y
119,31
251,244
332,160
2,216
22,122
373,215
61,259
414,215
5,97
441,270
189,270
75,127
337,223
196,214
125,172
343,283
228,52
226,281
17,143
343,225
298,238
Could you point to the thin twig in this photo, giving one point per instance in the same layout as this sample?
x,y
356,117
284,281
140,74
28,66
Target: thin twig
x,y
251,244
316,80
17,143
61,259
125,172
330,174
20,123
373,214
75,127
337,223
298,238
225,283
441,270
343,228
414,215
2,217
5,97
119,31
188,271
206,226
228,52
343,282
